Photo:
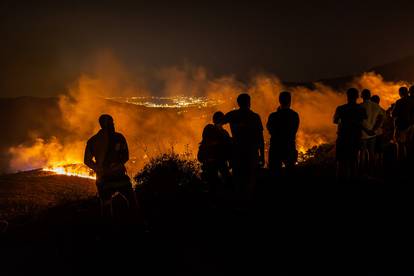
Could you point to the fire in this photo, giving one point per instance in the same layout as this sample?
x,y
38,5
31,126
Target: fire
x,y
78,170
173,121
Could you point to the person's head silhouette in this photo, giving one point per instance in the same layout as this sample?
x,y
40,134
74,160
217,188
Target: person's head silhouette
x,y
376,99
285,99
209,133
352,95
411,91
366,95
403,92
107,123
218,117
243,100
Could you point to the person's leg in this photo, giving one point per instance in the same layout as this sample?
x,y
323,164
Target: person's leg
x,y
253,175
353,168
342,148
225,176
212,180
402,147
130,195
105,199
352,160
275,162
135,208
237,179
342,171
378,156
410,146
363,156
371,154
290,169
291,159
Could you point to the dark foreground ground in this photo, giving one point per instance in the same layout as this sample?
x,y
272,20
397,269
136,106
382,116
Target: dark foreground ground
x,y
309,224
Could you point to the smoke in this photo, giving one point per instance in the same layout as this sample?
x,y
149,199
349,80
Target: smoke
x,y
42,152
152,131
388,91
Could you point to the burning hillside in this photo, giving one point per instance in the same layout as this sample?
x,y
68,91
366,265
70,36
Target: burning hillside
x,y
153,125
79,170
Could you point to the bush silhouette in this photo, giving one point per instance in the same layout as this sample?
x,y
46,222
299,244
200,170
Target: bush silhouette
x,y
169,174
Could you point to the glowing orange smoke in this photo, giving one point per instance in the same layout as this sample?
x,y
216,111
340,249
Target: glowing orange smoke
x,y
173,121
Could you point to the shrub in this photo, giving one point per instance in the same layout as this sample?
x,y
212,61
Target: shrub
x,y
169,173
322,155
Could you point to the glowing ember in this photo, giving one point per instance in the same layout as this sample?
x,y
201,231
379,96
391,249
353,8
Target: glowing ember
x,y
79,170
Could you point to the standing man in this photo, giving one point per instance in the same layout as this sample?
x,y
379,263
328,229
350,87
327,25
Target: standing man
x,y
374,116
410,144
248,144
401,115
283,126
106,154
380,141
349,118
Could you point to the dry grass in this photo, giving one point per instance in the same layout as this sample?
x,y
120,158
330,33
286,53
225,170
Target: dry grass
x,y
28,193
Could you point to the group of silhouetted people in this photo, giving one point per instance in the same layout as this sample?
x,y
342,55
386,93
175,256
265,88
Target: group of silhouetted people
x,y
369,138
366,138
244,151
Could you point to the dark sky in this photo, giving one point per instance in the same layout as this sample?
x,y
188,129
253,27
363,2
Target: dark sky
x,y
44,44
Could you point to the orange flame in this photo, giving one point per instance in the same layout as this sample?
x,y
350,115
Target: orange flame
x,y
78,170
176,122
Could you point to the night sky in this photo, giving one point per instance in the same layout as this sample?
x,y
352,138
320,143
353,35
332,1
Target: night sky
x,y
46,44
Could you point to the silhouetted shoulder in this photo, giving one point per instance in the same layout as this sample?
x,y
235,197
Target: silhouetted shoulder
x,y
229,116
120,136
272,115
256,115
93,139
341,107
294,114
258,120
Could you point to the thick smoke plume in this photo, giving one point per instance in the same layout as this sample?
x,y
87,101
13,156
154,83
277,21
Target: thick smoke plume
x,y
151,131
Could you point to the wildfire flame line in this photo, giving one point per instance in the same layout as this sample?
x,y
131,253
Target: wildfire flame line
x,y
71,170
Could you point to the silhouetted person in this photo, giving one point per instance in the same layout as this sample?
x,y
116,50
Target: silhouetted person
x,y
226,144
410,142
401,115
215,153
106,154
390,148
349,118
248,144
368,142
378,128
282,126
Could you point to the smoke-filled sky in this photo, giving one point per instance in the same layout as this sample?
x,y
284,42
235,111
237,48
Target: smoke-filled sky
x,y
45,45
